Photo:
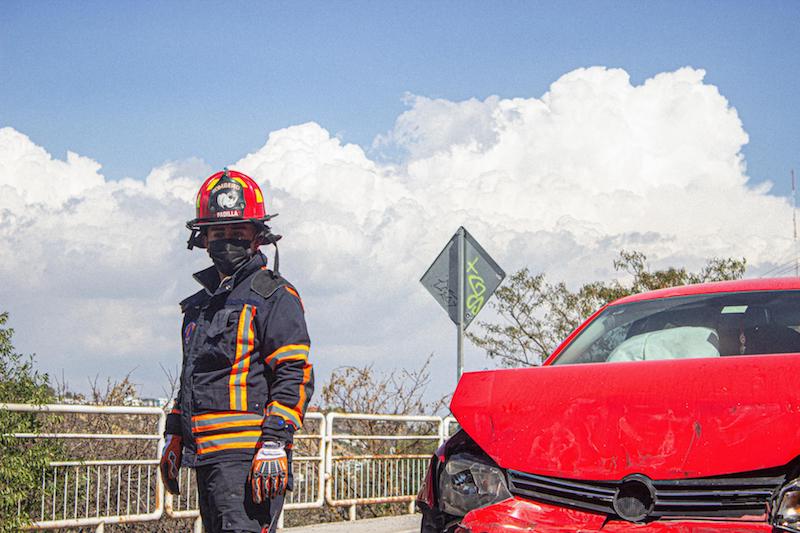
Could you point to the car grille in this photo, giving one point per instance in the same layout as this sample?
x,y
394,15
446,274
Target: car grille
x,y
726,496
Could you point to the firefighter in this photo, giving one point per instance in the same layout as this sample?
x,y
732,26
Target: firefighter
x,y
245,380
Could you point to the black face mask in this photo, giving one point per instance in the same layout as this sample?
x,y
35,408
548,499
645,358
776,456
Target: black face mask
x,y
229,255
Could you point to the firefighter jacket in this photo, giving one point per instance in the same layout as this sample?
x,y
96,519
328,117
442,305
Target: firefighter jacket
x,y
245,371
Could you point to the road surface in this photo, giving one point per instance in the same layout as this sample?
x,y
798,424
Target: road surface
x,y
393,524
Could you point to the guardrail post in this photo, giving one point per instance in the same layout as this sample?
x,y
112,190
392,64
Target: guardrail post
x,y
280,519
162,498
328,463
198,525
322,482
351,513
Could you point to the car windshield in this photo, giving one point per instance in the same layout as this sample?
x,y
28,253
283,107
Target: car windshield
x,y
706,325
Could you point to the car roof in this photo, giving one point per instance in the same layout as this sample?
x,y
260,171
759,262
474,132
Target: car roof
x,y
743,285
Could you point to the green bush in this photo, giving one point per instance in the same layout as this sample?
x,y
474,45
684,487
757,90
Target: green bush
x,y
21,460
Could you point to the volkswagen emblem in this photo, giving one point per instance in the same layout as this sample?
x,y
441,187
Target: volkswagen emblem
x,y
635,498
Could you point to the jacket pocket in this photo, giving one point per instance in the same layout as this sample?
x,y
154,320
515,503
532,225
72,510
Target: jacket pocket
x,y
222,322
222,334
210,398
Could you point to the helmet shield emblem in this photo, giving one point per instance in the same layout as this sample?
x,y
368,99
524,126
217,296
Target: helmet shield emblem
x,y
226,199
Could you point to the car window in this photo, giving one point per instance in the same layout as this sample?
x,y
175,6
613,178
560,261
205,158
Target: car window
x,y
708,325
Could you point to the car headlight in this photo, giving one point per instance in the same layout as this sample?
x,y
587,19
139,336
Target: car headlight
x,y
467,483
786,512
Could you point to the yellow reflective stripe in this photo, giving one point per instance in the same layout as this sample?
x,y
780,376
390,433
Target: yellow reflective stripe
x,y
225,420
301,402
224,414
288,414
213,426
245,343
287,352
229,446
292,292
291,357
201,441
227,441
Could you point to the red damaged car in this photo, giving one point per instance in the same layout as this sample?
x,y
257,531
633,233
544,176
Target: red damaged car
x,y
674,410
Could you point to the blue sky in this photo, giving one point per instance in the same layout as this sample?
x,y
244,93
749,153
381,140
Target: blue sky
x,y
134,84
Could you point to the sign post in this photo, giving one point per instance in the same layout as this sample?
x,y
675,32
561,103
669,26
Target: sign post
x,y
461,243
462,278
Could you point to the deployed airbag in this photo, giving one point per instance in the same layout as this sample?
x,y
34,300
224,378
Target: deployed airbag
x,y
682,342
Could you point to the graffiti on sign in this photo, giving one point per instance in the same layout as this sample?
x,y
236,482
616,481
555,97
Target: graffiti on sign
x,y
446,294
477,288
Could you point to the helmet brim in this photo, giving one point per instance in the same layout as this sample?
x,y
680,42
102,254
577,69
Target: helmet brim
x,y
206,222
197,239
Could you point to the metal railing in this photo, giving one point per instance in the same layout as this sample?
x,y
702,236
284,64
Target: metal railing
x,y
89,491
338,460
308,464
378,458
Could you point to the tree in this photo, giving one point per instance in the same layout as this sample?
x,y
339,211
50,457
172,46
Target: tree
x,y
538,315
362,390
21,460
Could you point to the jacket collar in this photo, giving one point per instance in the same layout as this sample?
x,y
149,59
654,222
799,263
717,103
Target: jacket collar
x,y
209,277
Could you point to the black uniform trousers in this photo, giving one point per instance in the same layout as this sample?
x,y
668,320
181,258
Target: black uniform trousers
x,y
226,504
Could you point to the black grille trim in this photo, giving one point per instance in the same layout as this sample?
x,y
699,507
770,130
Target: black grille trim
x,y
714,497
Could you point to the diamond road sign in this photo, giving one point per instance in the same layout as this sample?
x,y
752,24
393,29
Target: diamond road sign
x,y
481,274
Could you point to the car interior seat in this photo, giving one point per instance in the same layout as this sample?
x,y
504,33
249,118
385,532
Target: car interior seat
x,y
755,332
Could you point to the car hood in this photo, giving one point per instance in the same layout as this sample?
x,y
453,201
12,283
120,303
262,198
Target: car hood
x,y
663,419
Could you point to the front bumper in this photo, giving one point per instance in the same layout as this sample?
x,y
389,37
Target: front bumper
x,y
516,515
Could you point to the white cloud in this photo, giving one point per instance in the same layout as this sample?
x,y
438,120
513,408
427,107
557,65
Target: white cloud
x,y
434,125
559,183
29,175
